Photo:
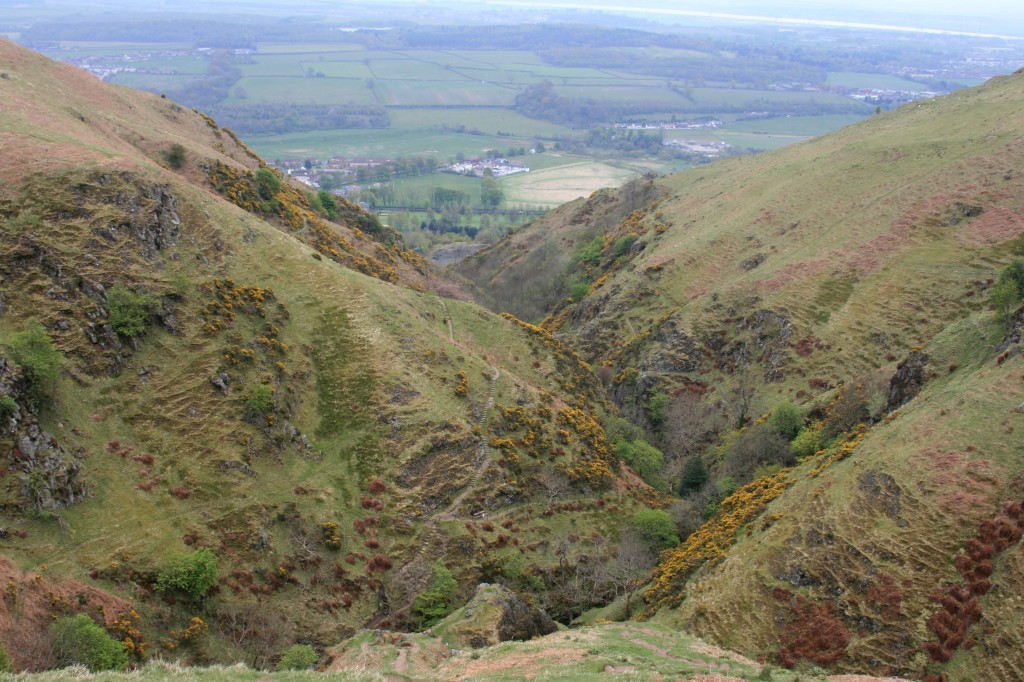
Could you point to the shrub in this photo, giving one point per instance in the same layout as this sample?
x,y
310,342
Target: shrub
x,y
622,245
5,662
79,640
756,446
193,573
786,421
657,407
267,183
695,475
438,599
808,441
7,406
579,291
33,351
642,457
298,657
1005,297
175,156
656,526
130,311
1014,274
260,400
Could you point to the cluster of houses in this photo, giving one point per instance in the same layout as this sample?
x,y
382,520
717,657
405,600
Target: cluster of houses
x,y
709,149
696,124
477,167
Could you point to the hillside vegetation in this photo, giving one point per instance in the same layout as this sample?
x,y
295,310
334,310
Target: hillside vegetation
x,y
237,417
837,294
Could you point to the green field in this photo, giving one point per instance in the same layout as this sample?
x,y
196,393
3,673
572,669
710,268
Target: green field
x,y
445,103
301,90
376,143
878,81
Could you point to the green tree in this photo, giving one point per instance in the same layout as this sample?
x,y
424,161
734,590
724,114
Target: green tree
x,y
260,400
490,192
657,407
656,526
1005,299
175,156
1014,272
7,406
79,640
34,352
298,657
695,475
267,183
579,291
5,663
786,420
130,311
438,599
808,441
642,457
191,572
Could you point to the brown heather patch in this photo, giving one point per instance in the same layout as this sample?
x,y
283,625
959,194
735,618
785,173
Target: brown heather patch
x,y
996,225
28,604
795,272
965,486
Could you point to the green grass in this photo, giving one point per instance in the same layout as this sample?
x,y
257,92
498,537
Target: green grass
x,y
490,121
376,143
171,672
443,93
302,90
879,81
801,126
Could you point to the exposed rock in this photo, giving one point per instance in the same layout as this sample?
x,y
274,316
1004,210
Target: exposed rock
x,y
906,382
1011,343
751,263
48,477
494,614
220,381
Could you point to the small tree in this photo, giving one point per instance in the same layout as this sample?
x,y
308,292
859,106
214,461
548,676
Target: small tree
x,y
298,657
786,420
1005,298
633,563
267,183
695,475
656,527
130,311
260,400
35,353
808,441
657,407
175,156
192,572
438,599
79,640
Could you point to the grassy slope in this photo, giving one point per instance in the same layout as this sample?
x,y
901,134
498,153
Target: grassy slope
x,y
867,253
368,380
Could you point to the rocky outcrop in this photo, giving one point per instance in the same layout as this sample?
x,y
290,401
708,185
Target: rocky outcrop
x,y
907,381
45,475
150,216
494,614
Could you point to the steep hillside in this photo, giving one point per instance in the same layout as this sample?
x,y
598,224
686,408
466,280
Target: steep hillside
x,y
254,377
851,276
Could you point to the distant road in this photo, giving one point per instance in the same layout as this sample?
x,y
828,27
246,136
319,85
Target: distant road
x,y
752,17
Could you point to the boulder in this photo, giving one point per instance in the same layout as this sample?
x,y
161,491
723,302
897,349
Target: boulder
x,y
494,614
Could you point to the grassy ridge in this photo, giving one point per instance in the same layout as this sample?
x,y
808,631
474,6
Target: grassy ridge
x,y
824,263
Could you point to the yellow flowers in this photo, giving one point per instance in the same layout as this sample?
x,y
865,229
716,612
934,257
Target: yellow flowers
x,y
711,541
